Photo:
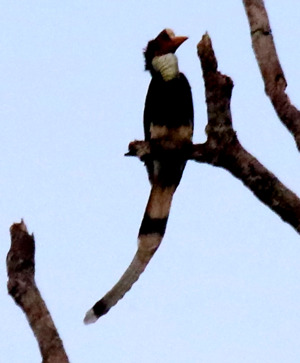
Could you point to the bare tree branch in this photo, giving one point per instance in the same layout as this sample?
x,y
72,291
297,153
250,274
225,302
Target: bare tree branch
x,y
22,288
272,73
223,149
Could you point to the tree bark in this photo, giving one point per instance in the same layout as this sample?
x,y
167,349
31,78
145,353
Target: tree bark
x,y
22,288
270,68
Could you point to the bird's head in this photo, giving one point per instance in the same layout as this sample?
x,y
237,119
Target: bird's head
x,y
166,42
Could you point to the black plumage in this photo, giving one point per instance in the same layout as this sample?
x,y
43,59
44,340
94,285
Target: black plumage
x,y
168,127
168,103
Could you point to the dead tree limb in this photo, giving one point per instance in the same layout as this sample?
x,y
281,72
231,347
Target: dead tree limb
x,y
223,148
270,68
22,288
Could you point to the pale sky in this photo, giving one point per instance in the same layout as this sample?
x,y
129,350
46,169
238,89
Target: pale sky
x,y
224,285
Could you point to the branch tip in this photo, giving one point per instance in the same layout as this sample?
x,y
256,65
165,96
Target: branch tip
x,y
204,42
24,291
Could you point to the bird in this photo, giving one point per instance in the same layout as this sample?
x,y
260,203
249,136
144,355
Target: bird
x,y
168,127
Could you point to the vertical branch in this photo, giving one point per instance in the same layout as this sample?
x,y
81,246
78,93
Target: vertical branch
x,y
223,148
22,288
268,62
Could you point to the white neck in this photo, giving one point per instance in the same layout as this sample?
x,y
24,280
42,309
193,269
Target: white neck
x,y
166,65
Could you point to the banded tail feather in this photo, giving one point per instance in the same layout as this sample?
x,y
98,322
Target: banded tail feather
x,y
151,233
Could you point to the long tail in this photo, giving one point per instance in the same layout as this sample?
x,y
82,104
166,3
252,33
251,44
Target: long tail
x,y
150,236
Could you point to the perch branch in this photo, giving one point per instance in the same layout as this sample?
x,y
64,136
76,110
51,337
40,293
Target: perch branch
x,y
268,62
22,288
222,147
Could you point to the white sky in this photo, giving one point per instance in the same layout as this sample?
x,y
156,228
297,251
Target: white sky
x,y
224,285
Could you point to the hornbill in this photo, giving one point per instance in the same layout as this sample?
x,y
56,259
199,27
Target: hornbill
x,y
168,127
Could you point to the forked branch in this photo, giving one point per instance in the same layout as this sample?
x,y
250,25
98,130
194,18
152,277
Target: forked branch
x,y
222,147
